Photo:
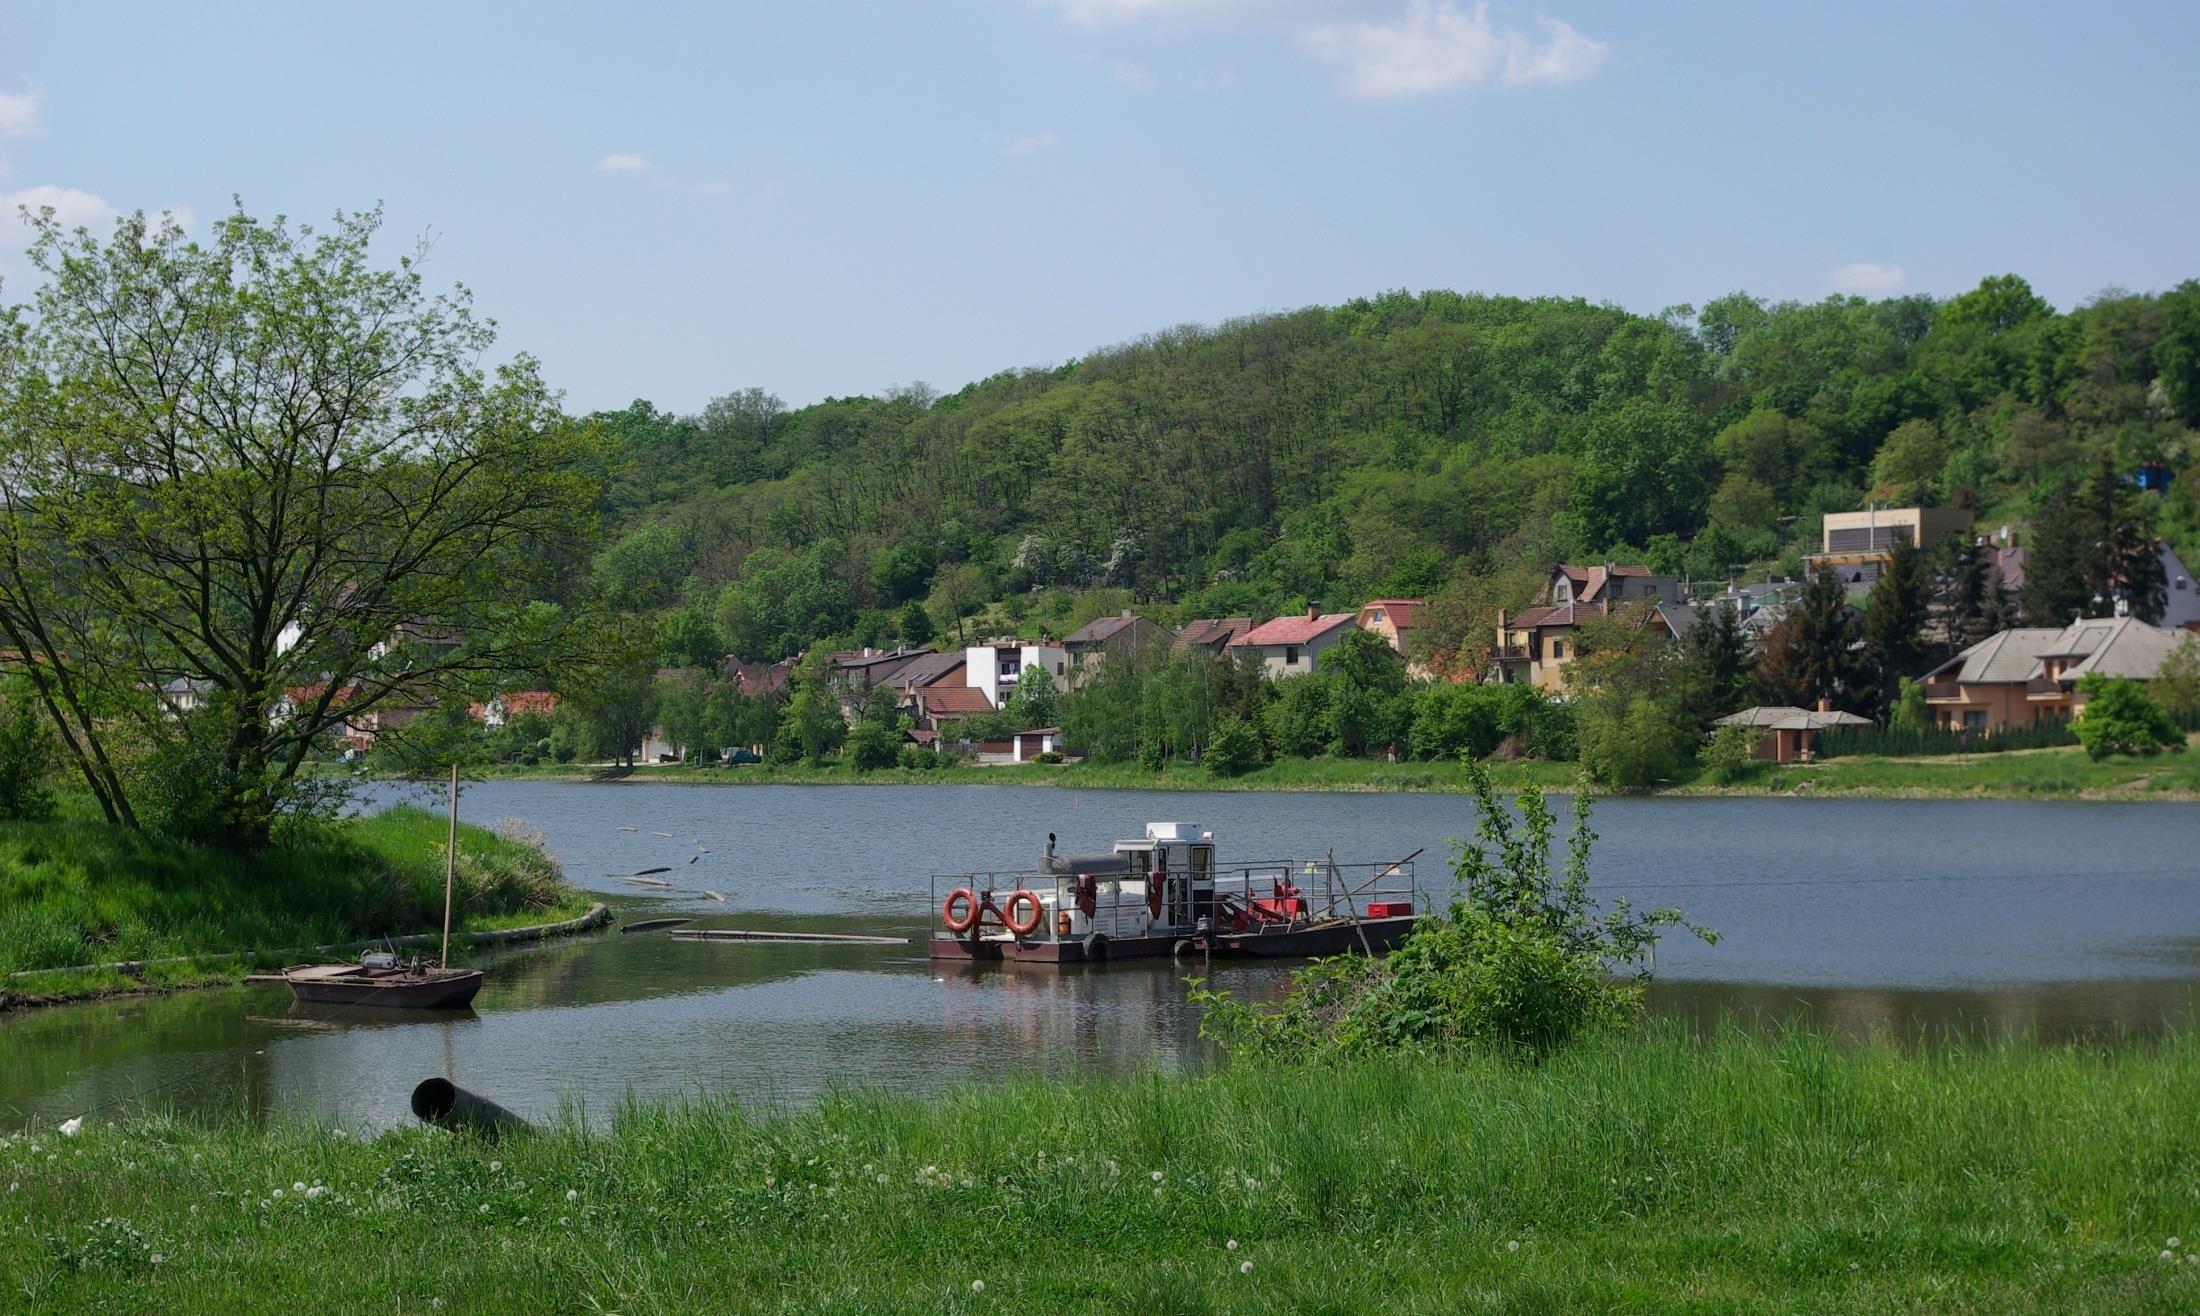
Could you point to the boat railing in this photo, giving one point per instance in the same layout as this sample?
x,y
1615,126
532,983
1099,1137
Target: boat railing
x,y
1249,896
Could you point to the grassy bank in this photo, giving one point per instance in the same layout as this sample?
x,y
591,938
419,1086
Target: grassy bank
x,y
2064,773
1743,1174
76,891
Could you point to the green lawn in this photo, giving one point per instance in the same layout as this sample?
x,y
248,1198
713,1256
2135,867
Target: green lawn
x,y
77,891
1745,1174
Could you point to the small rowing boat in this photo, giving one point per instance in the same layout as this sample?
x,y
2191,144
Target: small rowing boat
x,y
380,979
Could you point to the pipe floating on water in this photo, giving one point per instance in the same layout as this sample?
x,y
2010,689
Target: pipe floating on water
x,y
646,881
715,896
807,938
446,1105
649,924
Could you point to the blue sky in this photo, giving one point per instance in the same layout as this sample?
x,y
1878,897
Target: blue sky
x,y
823,198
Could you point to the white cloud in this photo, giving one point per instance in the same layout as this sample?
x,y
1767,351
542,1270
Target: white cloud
x,y
621,162
73,207
1107,13
1435,46
1029,144
20,112
1866,278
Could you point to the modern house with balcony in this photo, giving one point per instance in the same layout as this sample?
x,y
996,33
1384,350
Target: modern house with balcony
x,y
995,668
2021,675
1856,546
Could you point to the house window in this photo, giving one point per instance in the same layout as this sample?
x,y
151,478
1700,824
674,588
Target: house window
x,y
1974,720
1558,649
1375,617
1290,655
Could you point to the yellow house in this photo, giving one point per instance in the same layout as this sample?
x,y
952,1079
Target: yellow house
x,y
2017,677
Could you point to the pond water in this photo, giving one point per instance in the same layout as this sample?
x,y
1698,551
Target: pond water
x,y
1909,917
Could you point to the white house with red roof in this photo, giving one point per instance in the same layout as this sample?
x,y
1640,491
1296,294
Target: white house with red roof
x,y
1293,646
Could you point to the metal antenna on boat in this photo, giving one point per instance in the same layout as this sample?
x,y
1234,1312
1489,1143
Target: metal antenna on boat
x,y
450,871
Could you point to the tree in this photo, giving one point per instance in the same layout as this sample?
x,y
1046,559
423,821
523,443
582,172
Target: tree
x,y
2176,684
680,706
1807,653
690,638
1713,676
2177,351
1369,709
26,758
812,726
1035,703
2123,560
261,462
1893,629
2056,586
1235,749
2119,718
610,706
914,624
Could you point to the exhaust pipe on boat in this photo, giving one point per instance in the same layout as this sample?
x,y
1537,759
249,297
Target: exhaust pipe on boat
x,y
446,1105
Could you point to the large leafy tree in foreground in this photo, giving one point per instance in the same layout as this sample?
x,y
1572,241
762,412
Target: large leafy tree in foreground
x,y
259,487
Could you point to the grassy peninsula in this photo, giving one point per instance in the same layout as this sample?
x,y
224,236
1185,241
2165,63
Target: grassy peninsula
x,y
76,891
1648,1169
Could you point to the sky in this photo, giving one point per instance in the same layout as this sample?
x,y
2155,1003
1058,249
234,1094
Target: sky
x,y
674,202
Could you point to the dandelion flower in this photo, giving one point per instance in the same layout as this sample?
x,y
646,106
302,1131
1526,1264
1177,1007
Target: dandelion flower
x,y
1513,1246
70,1128
1245,1268
2168,1255
157,1258
495,1166
2172,1242
1156,1176
276,1193
977,1286
1232,1245
1157,1192
299,1186
574,1194
484,1208
565,1222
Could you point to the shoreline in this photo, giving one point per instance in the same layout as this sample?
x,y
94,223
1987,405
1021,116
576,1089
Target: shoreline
x,y
227,968
2051,774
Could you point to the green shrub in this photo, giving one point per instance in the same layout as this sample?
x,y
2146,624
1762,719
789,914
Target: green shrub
x,y
1522,963
1235,750
26,760
1730,755
2119,718
871,746
1632,747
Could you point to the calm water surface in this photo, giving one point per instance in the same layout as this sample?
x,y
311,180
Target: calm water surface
x,y
1906,916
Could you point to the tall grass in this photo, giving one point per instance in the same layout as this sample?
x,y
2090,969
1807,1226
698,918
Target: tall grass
x,y
77,891
1744,1173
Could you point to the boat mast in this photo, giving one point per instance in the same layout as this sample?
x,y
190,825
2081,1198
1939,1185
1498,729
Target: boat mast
x,y
450,871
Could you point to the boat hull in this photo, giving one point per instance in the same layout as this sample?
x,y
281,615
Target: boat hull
x,y
1336,937
453,990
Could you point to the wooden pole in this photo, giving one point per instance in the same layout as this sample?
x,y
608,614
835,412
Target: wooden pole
x,y
450,870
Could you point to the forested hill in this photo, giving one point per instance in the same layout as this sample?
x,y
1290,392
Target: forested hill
x,y
1414,445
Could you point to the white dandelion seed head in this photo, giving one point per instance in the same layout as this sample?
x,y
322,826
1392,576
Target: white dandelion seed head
x,y
1245,1268
299,1186
574,1194
1232,1245
2173,1242
2168,1255
157,1258
977,1286
484,1208
495,1166
1513,1246
565,1221
1156,1176
277,1193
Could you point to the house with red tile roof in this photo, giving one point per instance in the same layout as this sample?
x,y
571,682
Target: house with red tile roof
x,y
513,703
1293,646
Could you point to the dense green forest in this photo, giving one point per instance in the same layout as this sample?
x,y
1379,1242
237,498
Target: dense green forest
x,y
1440,445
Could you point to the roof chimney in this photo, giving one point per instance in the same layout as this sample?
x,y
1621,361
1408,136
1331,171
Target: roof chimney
x,y
1313,613
1825,705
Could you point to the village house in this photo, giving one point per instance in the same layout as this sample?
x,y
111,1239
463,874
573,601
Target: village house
x,y
1214,634
2180,597
2021,675
502,708
857,672
1126,632
1293,646
1534,646
995,667
1856,546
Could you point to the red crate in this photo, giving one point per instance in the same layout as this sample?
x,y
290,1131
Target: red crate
x,y
1388,908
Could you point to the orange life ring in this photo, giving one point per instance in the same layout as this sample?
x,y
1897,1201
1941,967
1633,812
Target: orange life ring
x,y
960,922
1008,912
